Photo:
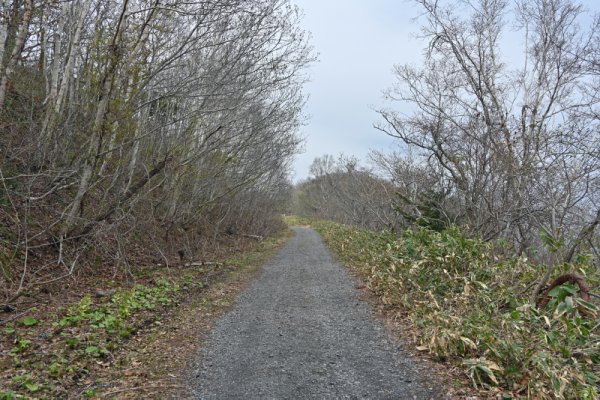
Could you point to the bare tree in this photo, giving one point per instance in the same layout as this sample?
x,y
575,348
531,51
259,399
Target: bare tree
x,y
145,116
344,191
516,146
504,137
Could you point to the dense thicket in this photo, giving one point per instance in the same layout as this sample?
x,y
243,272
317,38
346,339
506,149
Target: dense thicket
x,y
130,122
344,191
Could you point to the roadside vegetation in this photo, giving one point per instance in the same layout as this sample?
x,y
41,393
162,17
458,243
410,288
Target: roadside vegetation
x,y
91,347
466,302
142,143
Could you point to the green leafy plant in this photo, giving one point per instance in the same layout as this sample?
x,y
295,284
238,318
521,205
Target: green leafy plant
x,y
10,396
481,371
552,242
26,380
10,329
96,351
72,342
29,321
21,345
88,330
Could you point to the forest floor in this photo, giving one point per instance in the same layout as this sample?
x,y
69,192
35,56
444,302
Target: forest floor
x,y
111,338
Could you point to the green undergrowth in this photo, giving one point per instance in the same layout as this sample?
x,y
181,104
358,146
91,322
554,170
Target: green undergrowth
x,y
61,350
469,305
61,355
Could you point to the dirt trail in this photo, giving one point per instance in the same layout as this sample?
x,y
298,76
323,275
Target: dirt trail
x,y
300,331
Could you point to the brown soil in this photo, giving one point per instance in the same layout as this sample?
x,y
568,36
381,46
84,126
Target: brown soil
x,y
147,364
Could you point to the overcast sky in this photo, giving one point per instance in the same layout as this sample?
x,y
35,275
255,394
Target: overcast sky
x,y
358,42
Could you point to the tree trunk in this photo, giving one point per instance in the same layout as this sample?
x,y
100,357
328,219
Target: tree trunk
x,y
71,55
586,232
126,196
3,32
98,127
16,53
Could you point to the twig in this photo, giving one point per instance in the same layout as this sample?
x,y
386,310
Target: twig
x,y
528,287
5,321
163,256
65,275
142,388
202,263
196,264
256,237
85,388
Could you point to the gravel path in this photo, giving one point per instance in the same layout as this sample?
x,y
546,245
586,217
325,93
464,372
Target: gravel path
x,y
300,332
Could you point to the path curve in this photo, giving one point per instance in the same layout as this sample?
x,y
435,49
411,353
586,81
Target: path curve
x,y
300,331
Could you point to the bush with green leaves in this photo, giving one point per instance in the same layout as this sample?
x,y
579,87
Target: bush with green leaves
x,y
468,302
